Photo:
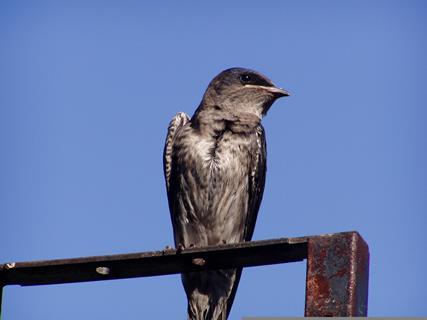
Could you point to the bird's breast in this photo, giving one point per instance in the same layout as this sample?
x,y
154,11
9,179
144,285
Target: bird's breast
x,y
223,155
213,176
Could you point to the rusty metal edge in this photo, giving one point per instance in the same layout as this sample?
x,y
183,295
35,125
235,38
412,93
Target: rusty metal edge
x,y
1,299
359,276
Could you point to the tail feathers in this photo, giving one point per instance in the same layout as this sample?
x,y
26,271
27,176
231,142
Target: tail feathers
x,y
210,294
201,307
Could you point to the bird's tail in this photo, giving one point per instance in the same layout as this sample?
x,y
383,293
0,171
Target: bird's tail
x,y
210,294
200,308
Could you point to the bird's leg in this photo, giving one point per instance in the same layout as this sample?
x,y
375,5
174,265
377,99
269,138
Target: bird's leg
x,y
167,249
179,248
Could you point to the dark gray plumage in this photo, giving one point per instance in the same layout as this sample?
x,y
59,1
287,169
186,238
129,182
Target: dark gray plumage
x,y
214,165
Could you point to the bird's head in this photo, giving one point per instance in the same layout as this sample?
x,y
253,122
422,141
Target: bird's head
x,y
239,90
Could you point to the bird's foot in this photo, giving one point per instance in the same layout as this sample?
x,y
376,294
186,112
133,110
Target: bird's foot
x,y
167,249
179,248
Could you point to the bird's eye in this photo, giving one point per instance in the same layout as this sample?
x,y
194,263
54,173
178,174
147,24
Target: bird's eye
x,y
245,78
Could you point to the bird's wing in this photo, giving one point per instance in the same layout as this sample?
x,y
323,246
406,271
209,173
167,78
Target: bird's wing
x,y
256,190
175,126
256,182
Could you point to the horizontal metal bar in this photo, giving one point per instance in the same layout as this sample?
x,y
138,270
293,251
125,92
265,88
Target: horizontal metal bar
x,y
168,261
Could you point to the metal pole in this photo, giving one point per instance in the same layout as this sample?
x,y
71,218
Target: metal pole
x,y
1,298
337,276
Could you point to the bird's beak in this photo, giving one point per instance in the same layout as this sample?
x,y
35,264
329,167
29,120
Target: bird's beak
x,y
277,92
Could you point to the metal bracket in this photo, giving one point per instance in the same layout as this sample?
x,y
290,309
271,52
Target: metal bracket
x,y
337,268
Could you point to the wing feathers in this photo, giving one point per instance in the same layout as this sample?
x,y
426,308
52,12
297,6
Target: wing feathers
x,y
179,121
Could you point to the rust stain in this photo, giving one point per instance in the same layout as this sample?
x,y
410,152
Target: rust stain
x,y
337,273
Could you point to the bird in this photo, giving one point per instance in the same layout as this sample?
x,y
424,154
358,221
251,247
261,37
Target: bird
x,y
215,166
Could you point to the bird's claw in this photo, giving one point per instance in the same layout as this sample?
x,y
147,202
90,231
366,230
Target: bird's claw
x,y
167,249
180,247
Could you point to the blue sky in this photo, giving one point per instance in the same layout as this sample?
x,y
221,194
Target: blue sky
x,y
87,89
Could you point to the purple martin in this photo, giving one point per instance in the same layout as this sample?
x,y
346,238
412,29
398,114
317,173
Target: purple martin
x,y
214,166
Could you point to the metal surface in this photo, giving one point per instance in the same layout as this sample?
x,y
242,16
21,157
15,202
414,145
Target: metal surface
x,y
337,276
156,263
337,268
1,298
